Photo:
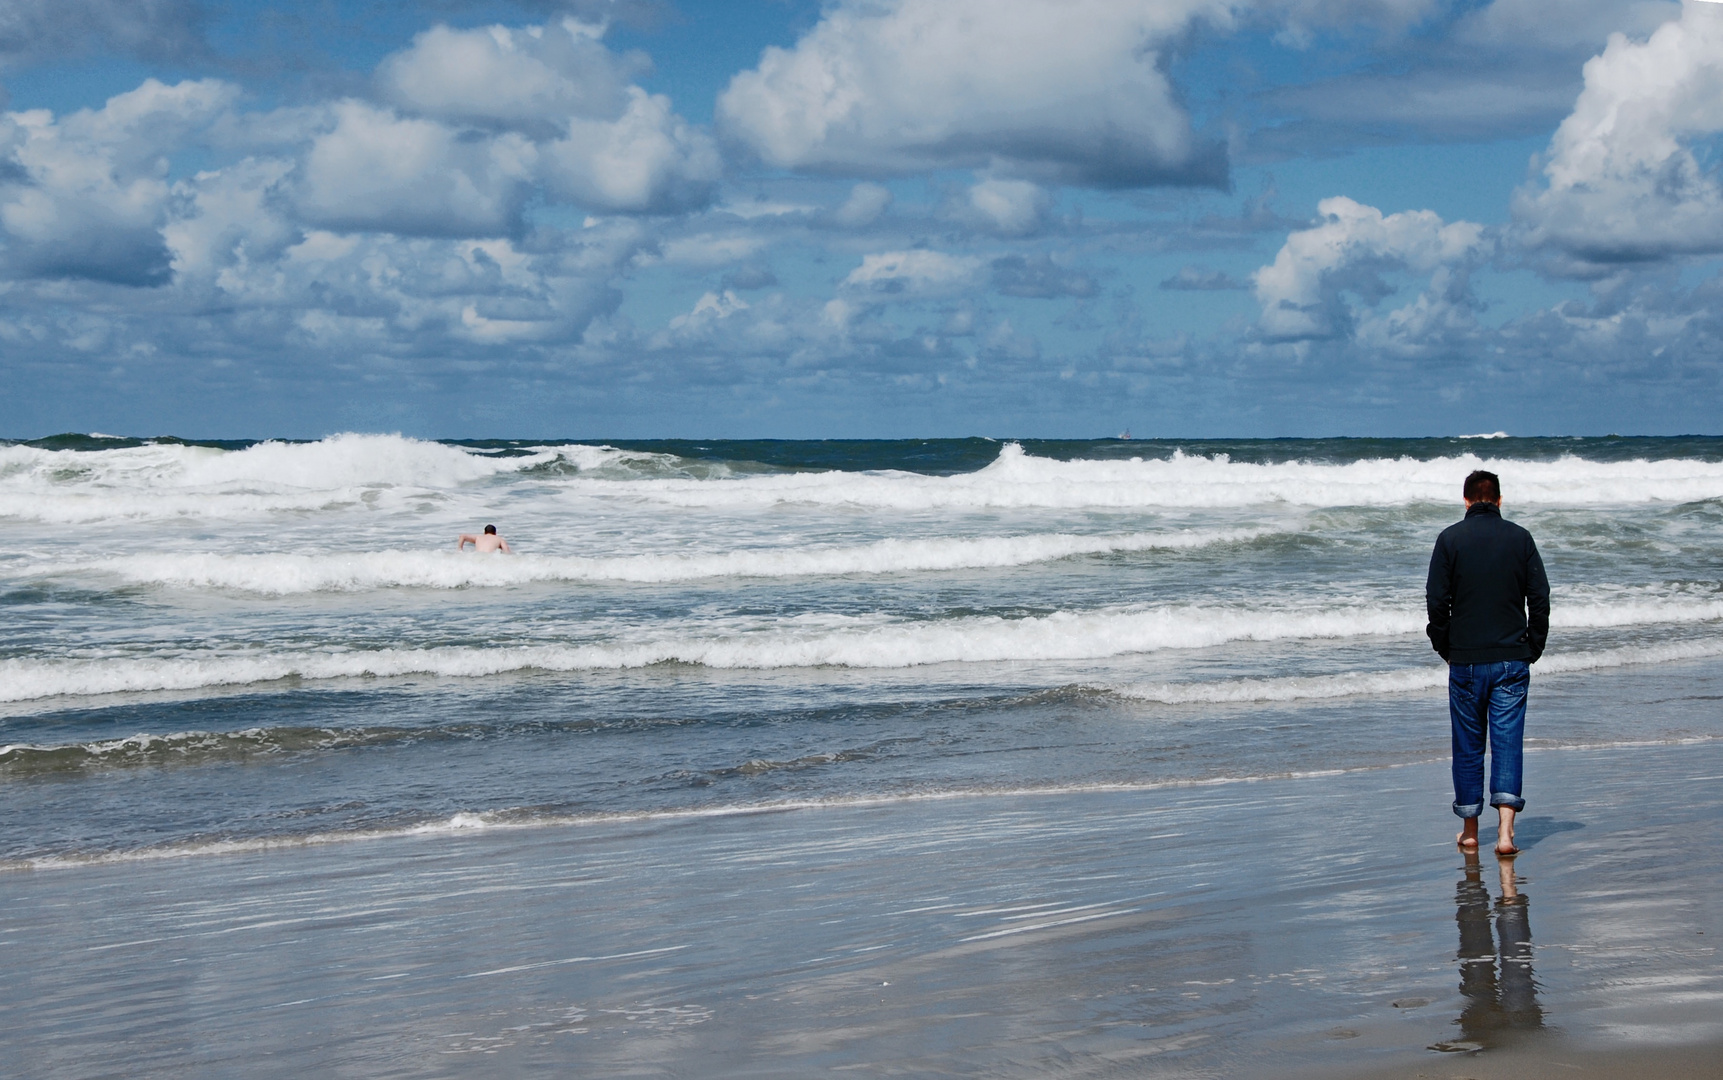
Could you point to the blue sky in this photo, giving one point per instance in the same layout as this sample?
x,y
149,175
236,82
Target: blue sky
x,y
861,218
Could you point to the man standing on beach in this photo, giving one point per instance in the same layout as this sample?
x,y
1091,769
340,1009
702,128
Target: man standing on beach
x,y
485,541
1489,605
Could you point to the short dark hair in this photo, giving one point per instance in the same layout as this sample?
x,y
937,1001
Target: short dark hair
x,y
1483,486
491,530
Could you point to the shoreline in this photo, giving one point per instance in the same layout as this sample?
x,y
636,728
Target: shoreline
x,y
472,823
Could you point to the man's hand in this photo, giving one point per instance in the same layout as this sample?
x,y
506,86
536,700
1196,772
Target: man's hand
x,y
1536,644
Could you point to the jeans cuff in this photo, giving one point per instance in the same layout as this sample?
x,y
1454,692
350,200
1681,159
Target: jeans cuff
x,y
1512,802
1470,811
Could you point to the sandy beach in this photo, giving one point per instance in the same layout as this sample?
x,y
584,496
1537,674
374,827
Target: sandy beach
x,y
1558,1059
1307,926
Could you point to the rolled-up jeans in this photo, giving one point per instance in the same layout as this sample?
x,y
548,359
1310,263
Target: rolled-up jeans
x,y
1487,702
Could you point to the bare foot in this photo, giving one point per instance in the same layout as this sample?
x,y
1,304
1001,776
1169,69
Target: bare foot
x,y
1467,837
1505,833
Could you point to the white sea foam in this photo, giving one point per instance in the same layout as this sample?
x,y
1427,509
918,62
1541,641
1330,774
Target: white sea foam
x,y
280,575
158,481
169,481
1018,480
338,461
1406,680
165,481
803,641
808,641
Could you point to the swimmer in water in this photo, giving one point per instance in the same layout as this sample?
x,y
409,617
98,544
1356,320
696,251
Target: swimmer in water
x,y
485,541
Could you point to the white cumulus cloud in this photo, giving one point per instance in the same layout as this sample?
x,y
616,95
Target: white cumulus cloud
x,y
710,308
1067,90
529,75
917,272
1624,178
376,170
1304,292
867,201
647,160
228,221
1004,207
481,118
86,194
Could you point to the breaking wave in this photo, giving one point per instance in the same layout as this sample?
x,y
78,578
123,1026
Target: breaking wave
x,y
166,481
808,641
202,747
1018,480
172,480
279,575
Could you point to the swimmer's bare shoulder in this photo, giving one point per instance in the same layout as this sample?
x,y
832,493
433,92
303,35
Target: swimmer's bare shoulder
x,y
483,541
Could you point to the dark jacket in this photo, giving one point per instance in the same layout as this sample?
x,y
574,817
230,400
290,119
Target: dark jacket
x,y
1487,594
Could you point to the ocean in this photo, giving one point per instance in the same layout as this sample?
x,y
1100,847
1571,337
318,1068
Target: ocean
x,y
712,626
271,651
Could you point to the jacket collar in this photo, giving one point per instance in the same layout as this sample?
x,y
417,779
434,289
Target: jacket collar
x,y
1483,508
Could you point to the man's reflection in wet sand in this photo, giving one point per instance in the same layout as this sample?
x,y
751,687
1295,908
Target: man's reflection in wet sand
x,y
1495,960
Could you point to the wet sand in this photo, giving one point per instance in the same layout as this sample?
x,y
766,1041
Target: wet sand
x,y
1322,926
1559,1059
